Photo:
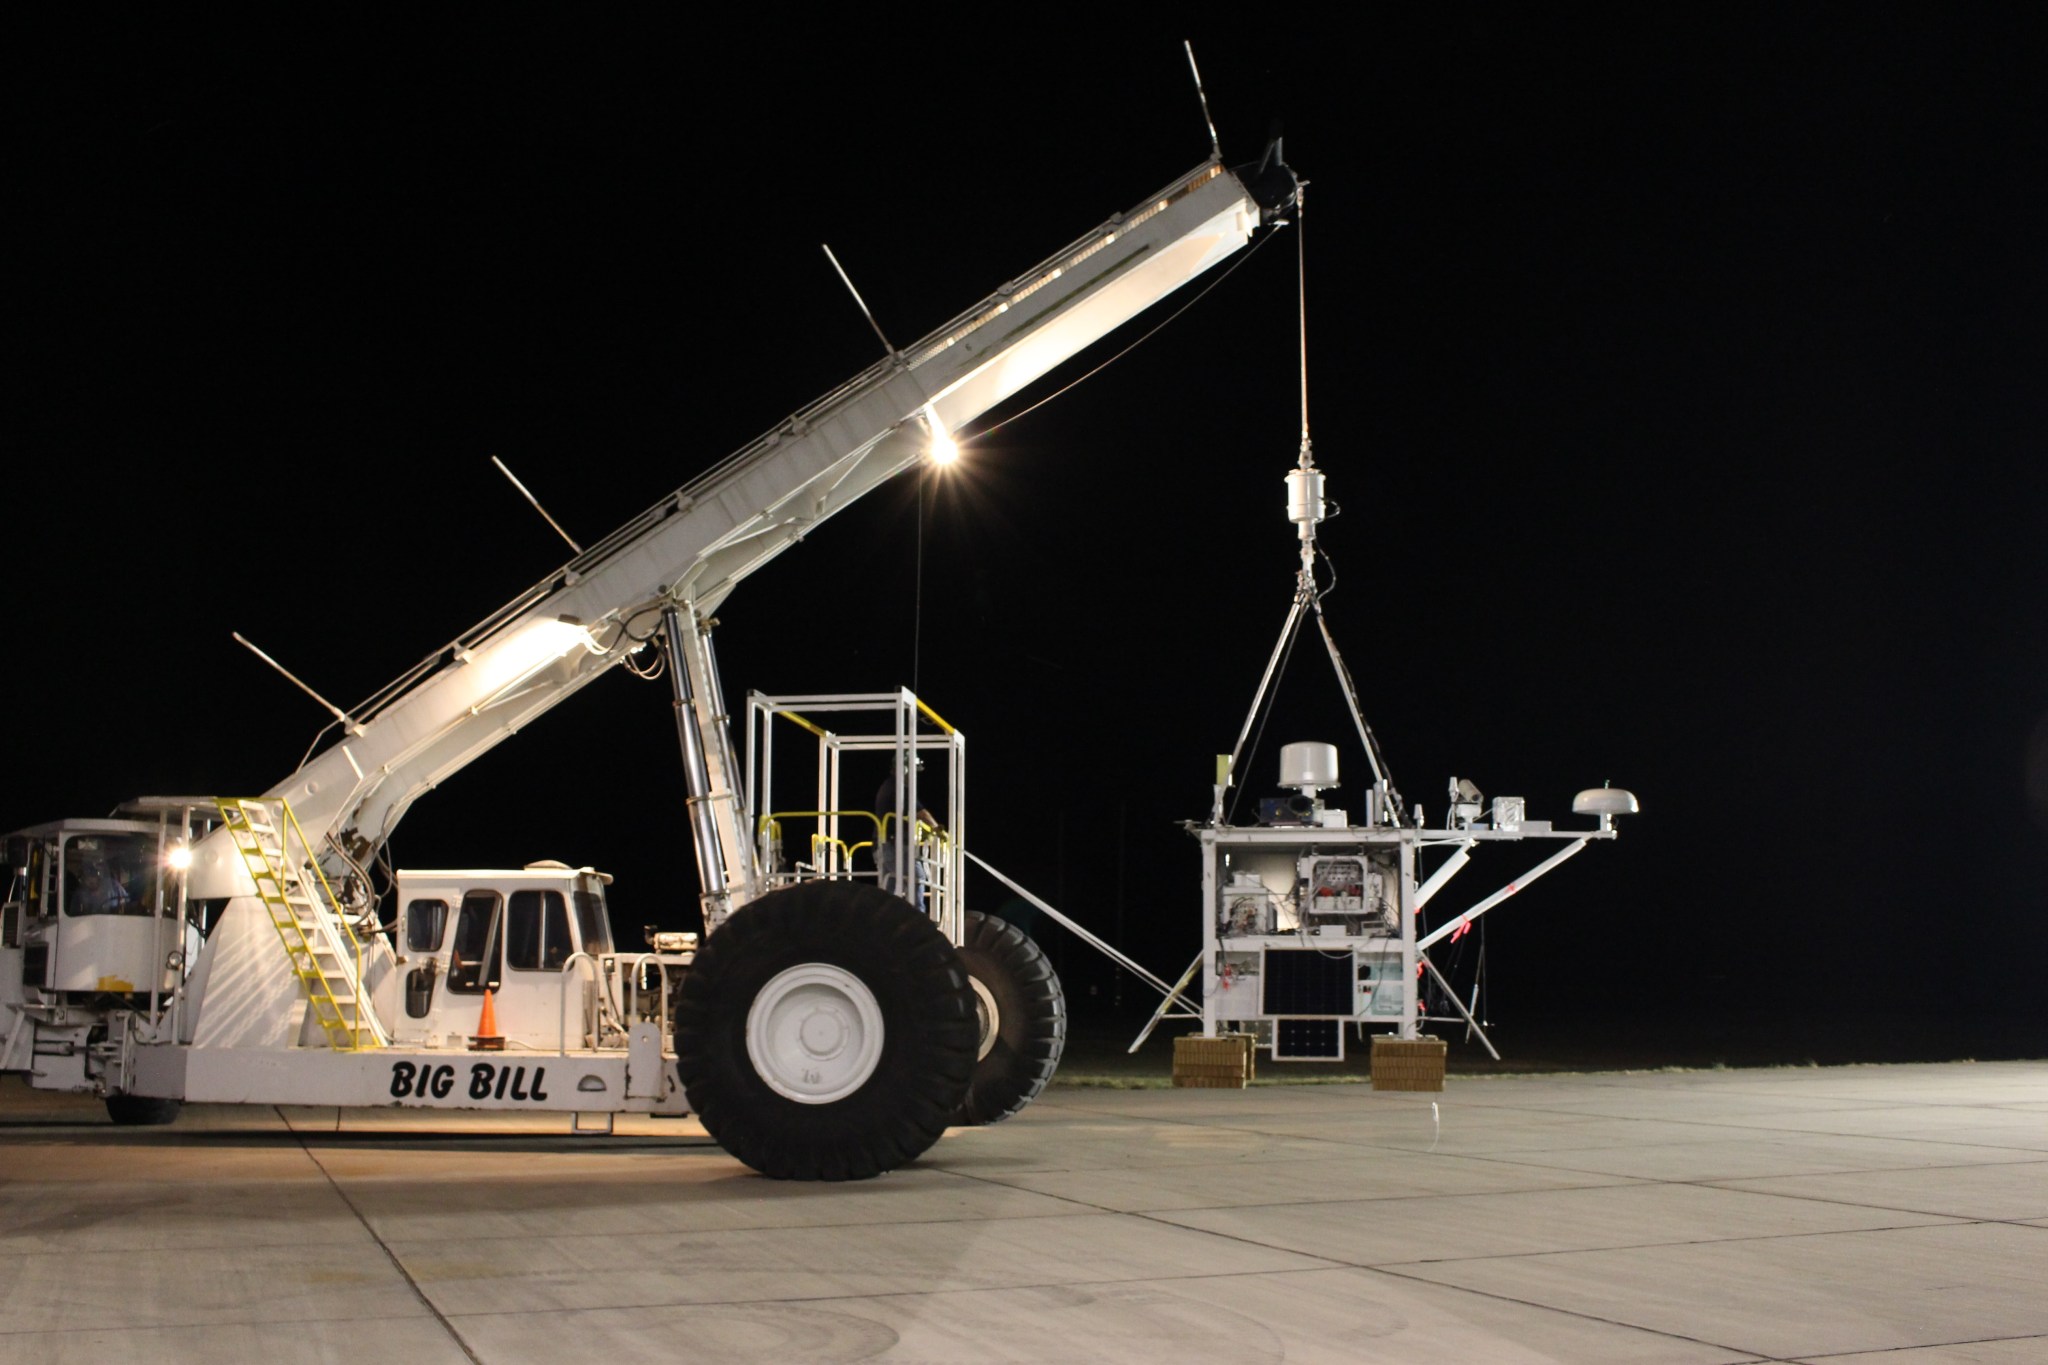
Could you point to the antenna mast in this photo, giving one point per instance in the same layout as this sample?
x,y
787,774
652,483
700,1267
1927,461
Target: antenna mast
x,y
862,303
1215,146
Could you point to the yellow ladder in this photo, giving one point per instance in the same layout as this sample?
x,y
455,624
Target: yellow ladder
x,y
325,953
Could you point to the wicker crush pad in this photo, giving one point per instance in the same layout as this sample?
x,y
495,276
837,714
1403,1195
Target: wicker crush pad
x,y
1220,1063
1407,1063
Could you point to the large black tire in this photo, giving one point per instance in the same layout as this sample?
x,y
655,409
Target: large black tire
x,y
139,1111
1020,1048
919,993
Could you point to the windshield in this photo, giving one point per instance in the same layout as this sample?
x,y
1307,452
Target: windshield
x,y
110,874
596,929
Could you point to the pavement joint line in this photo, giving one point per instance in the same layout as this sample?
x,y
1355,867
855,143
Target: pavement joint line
x,y
1085,1210
918,1293
1182,1227
1925,1346
1726,1183
389,1254
1659,1246
1754,1356
1950,1222
210,1325
15,1245
1506,1159
1367,1199
1082,1210
1064,1198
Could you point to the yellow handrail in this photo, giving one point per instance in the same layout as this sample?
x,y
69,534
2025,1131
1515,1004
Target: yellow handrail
x,y
812,726
344,1032
334,903
776,817
826,840
926,830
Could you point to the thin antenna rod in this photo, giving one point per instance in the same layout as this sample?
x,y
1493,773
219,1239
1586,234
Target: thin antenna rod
x,y
348,721
527,493
917,600
848,282
1215,146
1301,302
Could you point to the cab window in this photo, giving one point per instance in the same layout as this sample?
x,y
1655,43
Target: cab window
x,y
110,874
37,899
537,931
478,935
425,922
592,923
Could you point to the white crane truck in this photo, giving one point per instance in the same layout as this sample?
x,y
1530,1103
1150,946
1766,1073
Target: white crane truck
x,y
227,949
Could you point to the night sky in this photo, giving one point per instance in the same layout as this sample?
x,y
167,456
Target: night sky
x,y
1680,376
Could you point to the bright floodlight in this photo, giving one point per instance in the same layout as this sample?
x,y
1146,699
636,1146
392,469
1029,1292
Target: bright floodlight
x,y
943,449
180,857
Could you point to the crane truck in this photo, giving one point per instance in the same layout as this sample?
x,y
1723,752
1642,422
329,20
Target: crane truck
x,y
840,1009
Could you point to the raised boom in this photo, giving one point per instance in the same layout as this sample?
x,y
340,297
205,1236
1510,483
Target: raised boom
x,y
693,547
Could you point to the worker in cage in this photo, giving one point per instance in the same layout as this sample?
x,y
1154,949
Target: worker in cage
x,y
897,841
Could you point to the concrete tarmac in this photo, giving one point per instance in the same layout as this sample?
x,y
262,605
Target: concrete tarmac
x,y
1854,1214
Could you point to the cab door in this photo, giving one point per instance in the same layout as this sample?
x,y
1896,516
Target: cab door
x,y
538,945
476,954
422,933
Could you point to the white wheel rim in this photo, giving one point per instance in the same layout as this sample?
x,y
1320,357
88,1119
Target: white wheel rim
x,y
991,1018
814,1033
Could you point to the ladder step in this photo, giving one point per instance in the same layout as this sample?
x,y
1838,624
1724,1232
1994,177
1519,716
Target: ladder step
x,y
310,925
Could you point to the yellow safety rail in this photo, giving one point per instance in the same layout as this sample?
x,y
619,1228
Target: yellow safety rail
x,y
810,725
775,818
925,830
936,718
926,833
333,991
820,731
845,849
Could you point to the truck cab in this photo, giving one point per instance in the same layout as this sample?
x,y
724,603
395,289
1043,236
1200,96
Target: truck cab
x,y
537,939
91,921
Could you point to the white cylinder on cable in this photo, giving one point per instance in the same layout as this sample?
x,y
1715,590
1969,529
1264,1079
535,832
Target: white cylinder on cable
x,y
1305,497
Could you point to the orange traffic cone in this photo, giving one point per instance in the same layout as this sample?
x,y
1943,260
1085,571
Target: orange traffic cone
x,y
487,1038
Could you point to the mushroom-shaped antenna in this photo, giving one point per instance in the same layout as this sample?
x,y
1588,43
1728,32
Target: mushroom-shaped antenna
x,y
1605,801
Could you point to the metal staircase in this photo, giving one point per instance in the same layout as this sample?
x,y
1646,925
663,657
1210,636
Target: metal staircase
x,y
325,953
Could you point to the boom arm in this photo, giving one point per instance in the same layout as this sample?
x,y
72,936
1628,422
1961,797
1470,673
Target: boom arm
x,y
694,546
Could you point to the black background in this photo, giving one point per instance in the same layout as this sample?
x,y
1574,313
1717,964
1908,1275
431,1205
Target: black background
x,y
1679,374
